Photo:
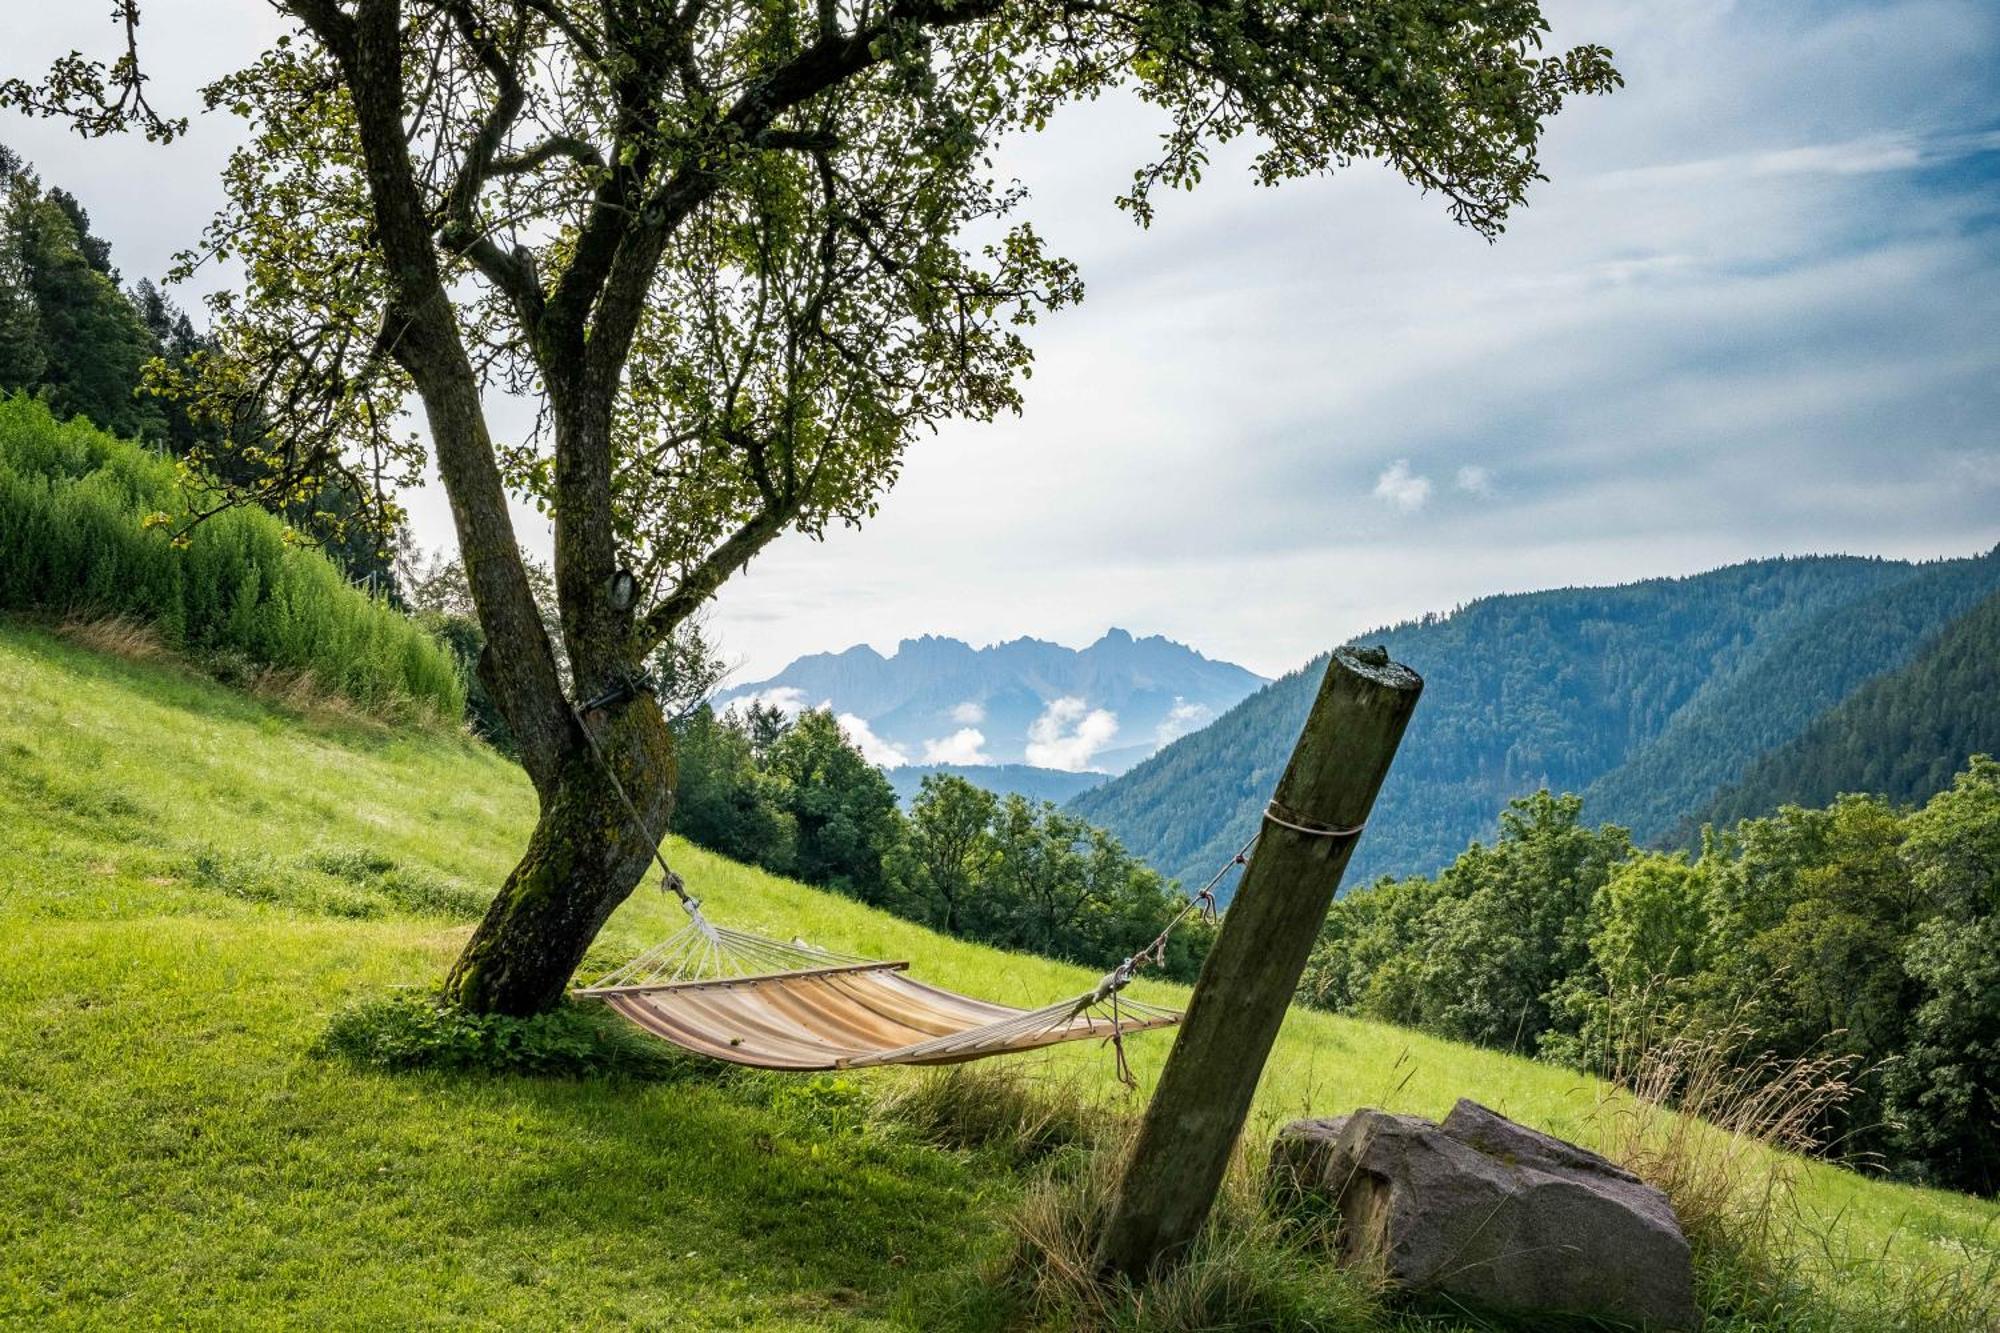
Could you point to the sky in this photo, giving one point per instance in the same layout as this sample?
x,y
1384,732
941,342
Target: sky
x,y
1754,311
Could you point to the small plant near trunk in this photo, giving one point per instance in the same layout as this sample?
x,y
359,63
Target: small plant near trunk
x,y
413,1030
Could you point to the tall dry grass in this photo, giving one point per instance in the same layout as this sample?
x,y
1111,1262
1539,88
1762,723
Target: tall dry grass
x,y
1249,1268
1727,1131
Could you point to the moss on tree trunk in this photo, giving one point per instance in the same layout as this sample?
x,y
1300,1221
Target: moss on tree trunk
x,y
584,858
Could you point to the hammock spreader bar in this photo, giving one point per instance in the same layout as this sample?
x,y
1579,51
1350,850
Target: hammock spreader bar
x,y
753,1001
731,995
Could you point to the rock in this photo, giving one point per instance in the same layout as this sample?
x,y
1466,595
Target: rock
x,y
1492,1213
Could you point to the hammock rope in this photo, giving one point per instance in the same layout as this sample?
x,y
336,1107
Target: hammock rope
x,y
742,997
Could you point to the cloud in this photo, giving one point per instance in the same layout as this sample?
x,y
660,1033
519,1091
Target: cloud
x,y
1661,360
966,746
787,699
1182,718
970,713
1068,734
873,748
1475,480
1402,487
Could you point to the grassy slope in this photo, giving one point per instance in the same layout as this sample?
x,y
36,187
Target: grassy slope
x,y
169,1147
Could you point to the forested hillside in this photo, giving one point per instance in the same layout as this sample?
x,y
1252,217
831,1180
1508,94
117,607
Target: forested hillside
x,y
125,359
1559,689
1774,695
1894,736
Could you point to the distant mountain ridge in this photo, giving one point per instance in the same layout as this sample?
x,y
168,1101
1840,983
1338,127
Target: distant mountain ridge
x,y
1037,784
1650,697
938,700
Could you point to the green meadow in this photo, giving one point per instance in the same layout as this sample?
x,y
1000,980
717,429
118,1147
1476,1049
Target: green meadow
x,y
192,880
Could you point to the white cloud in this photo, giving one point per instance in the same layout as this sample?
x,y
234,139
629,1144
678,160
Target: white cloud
x,y
1475,480
1402,487
1182,718
966,746
1644,359
1068,734
873,748
970,713
787,699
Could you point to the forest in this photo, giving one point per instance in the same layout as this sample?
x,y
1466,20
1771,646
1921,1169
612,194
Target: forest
x,y
794,796
72,337
1901,735
1648,698
1865,933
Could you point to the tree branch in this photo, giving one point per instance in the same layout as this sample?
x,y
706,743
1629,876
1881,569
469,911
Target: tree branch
x,y
715,569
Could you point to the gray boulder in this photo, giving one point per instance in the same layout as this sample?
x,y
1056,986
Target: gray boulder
x,y
1492,1213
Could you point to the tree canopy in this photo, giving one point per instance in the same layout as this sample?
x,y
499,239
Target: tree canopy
x,y
740,255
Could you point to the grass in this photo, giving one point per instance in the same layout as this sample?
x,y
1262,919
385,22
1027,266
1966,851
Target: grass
x,y
193,881
104,529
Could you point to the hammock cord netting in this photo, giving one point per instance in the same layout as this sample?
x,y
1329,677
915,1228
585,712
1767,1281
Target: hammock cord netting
x,y
744,997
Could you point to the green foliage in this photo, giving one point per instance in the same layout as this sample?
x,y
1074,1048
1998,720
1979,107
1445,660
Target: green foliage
x,y
153,1078
1776,693
1858,932
952,847
798,798
1647,698
1945,1091
416,1030
76,537
1480,953
1060,887
724,800
1901,735
842,810
70,337
66,331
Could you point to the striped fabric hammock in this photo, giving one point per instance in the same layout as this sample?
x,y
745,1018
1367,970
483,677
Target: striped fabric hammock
x,y
752,1001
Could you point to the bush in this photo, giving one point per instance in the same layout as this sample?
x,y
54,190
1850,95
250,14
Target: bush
x,y
414,1030
75,540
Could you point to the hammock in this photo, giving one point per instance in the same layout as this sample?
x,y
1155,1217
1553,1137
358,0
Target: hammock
x,y
740,997
733,996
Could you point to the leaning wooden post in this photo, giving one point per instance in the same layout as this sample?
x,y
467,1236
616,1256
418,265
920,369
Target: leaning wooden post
x,y
1197,1113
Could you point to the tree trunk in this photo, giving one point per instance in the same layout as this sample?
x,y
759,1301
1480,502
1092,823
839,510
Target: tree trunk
x,y
586,855
584,858
1253,968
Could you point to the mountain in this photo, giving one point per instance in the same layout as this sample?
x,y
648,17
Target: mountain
x,y
1652,696
942,701
1775,695
1037,784
1901,735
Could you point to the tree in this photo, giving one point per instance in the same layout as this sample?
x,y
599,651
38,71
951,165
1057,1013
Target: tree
x,y
1512,923
66,331
729,248
1945,1091
951,843
23,359
842,808
1648,944
723,800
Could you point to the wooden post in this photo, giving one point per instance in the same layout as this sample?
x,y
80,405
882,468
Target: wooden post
x,y
1197,1113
